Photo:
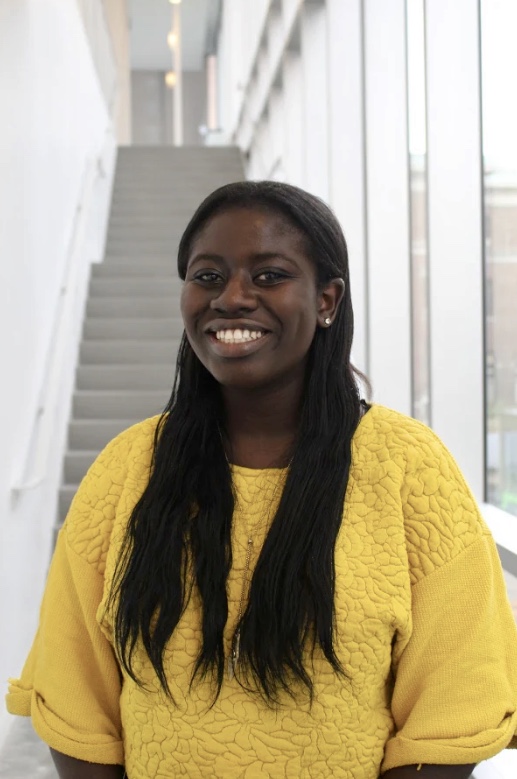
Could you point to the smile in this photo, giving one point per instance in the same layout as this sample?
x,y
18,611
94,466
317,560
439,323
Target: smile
x,y
237,343
238,336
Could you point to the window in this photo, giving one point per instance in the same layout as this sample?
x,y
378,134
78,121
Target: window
x,y
418,200
499,64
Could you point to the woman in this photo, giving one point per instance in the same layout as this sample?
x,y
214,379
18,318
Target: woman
x,y
273,579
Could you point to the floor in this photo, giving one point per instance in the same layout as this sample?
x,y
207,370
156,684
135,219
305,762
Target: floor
x,y
26,756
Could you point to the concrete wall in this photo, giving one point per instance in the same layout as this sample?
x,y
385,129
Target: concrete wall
x,y
152,109
54,124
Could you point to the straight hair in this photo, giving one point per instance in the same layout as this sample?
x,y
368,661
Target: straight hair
x,y
179,533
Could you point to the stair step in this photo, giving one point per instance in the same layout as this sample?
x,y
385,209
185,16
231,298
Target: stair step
x,y
130,327
123,269
128,229
66,496
146,307
141,259
191,176
136,223
124,377
76,465
189,172
135,287
145,259
139,252
142,244
128,352
89,434
110,404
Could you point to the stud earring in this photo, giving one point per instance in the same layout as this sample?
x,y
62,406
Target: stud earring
x,y
328,321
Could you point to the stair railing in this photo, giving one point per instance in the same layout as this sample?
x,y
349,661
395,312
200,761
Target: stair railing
x,y
34,465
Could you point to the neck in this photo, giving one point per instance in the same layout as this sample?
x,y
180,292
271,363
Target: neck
x,y
261,426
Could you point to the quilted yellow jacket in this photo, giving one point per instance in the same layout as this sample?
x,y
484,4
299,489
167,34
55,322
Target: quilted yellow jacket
x,y
424,631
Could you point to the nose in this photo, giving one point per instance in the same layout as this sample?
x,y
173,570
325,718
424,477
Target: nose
x,y
237,295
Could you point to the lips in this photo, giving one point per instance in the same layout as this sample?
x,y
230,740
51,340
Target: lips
x,y
236,338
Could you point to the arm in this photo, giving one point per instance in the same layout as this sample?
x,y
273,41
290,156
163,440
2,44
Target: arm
x,y
70,768
430,772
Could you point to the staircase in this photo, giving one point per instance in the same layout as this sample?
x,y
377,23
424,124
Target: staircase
x,y
133,325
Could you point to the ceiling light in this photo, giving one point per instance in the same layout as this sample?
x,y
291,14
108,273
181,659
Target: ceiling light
x,y
171,79
174,2
172,39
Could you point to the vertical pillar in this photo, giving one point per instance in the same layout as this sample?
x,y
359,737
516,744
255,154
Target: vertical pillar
x,y
347,163
293,155
212,114
387,182
455,230
315,97
177,92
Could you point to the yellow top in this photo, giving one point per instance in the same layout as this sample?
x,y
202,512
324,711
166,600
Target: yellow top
x,y
424,631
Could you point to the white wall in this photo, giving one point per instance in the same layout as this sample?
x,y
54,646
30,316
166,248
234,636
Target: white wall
x,y
117,17
54,120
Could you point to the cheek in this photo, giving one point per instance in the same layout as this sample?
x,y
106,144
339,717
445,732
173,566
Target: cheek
x,y
188,308
301,318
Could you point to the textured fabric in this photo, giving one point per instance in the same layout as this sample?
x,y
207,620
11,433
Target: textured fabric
x,y
424,631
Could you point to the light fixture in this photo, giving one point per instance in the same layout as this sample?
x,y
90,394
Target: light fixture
x,y
172,39
174,2
171,79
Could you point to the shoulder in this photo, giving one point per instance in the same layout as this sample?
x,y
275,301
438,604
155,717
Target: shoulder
x,y
440,514
112,485
387,434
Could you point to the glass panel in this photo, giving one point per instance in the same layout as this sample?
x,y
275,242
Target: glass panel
x,y
499,65
418,196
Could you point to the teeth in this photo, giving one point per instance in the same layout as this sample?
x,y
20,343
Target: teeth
x,y
238,336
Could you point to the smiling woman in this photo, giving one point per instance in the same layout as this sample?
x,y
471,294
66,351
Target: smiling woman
x,y
274,578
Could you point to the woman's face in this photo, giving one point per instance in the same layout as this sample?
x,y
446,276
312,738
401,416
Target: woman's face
x,y
250,303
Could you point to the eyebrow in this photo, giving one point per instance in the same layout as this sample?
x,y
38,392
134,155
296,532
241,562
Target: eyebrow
x,y
259,257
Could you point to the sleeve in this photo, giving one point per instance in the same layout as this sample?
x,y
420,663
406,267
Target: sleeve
x,y
71,683
455,682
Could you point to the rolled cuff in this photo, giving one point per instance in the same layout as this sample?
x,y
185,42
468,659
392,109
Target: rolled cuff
x,y
465,750
57,734
18,699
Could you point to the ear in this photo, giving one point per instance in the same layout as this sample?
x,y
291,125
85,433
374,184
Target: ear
x,y
329,300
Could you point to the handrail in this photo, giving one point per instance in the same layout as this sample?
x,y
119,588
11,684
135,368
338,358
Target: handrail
x,y
42,426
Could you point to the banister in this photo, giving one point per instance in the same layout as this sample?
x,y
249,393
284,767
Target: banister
x,y
42,426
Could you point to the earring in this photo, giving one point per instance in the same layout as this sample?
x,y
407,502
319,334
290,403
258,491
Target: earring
x,y
328,321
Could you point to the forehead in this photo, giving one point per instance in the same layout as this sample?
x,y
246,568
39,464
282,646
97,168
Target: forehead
x,y
254,227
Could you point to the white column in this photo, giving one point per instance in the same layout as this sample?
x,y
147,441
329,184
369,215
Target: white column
x,y
455,231
315,97
212,113
347,163
388,202
177,92
293,118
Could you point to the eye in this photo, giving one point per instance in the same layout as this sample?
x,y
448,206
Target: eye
x,y
208,277
270,276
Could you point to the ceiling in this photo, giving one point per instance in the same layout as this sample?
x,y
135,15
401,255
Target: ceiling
x,y
150,23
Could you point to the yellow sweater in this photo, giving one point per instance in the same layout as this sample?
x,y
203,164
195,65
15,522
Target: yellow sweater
x,y
424,631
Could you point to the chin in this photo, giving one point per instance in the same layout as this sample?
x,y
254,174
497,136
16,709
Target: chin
x,y
247,383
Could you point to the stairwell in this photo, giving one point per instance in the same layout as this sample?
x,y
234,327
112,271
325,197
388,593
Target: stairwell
x,y
133,324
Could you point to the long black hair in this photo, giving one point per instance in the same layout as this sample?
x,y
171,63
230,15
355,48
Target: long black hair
x,y
179,532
